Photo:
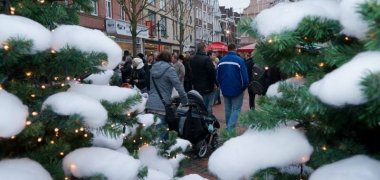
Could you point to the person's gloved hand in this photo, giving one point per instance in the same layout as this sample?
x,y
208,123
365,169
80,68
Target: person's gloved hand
x,y
183,108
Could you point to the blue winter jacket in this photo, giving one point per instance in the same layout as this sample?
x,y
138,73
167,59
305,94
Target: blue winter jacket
x,y
232,75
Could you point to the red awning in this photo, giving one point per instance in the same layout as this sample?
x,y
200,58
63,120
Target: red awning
x,y
248,48
217,46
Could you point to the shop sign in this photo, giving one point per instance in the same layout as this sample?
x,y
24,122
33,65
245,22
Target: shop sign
x,y
123,28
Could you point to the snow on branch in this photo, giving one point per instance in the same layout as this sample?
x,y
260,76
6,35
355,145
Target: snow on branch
x,y
24,168
13,114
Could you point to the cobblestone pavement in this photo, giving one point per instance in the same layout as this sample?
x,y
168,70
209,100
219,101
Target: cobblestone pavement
x,y
200,166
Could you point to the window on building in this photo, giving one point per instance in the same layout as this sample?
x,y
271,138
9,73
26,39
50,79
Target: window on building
x,y
163,26
152,18
122,13
94,5
108,8
163,4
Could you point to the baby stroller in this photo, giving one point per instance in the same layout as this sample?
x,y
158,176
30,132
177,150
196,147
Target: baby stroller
x,y
196,126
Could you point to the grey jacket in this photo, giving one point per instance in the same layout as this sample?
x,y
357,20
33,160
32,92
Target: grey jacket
x,y
166,78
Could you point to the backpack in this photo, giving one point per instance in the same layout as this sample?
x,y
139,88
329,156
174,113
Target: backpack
x,y
258,83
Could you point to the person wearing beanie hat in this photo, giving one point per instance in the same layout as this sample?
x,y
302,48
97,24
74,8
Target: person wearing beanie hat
x,y
138,75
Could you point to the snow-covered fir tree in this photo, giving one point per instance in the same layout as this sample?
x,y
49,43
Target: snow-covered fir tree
x,y
55,126
323,121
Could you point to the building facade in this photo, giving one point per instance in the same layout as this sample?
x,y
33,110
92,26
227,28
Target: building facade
x,y
158,26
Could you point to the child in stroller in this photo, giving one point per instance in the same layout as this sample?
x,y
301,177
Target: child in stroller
x,y
196,126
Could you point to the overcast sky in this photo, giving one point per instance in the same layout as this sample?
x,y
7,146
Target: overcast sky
x,y
237,5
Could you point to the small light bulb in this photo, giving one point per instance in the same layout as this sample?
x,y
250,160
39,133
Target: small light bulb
x,y
33,95
39,139
12,12
321,64
299,50
68,78
1,87
66,178
56,129
161,141
6,47
56,78
63,85
305,38
324,148
61,153
270,41
42,1
43,86
104,63
112,125
13,137
346,38
167,129
85,135
141,138
143,125
134,141
51,142
34,113
76,130
53,51
28,74
293,127
129,114
73,167
266,67
81,129
28,123
12,8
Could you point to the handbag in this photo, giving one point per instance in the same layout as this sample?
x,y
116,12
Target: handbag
x,y
170,112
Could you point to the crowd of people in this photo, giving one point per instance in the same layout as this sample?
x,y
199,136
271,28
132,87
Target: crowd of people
x,y
165,76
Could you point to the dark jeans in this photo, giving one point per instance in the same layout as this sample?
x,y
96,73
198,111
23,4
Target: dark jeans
x,y
251,99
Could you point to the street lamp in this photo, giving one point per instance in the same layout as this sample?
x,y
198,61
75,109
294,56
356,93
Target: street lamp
x,y
228,35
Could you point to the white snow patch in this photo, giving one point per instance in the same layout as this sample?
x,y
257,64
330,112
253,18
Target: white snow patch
x,y
68,103
139,107
351,20
103,140
157,175
358,167
180,143
244,155
147,120
149,156
273,89
342,86
112,94
13,114
290,14
87,162
102,78
192,177
18,26
22,169
88,40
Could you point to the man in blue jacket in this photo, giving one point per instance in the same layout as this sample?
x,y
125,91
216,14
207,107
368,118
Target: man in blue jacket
x,y
233,80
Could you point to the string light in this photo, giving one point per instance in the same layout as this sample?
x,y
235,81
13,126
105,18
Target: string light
x,y
134,141
76,130
68,78
112,125
143,125
140,138
33,95
41,1
104,63
305,38
346,38
39,139
28,123
167,129
12,10
53,51
63,85
73,167
81,129
129,114
66,178
62,153
299,50
85,135
43,86
322,64
270,41
34,113
304,159
266,67
28,74
56,78
13,137
293,127
52,142
324,148
1,87
6,47
56,129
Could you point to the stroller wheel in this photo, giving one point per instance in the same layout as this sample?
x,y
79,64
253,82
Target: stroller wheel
x,y
202,148
215,142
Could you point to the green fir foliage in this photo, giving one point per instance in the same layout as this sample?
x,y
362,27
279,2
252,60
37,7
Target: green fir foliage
x,y
314,49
